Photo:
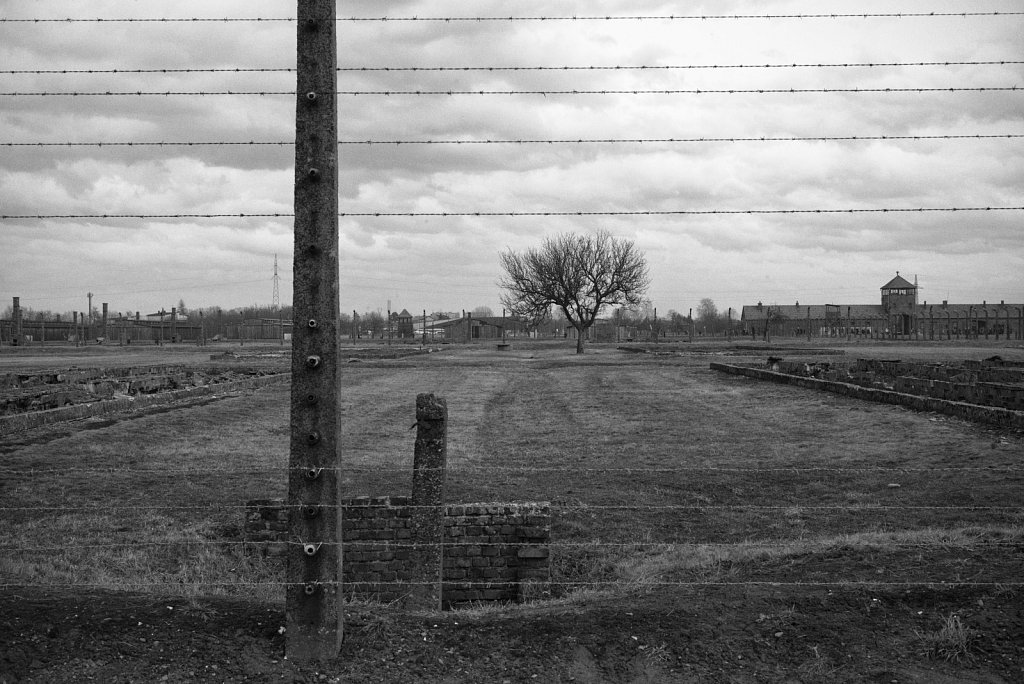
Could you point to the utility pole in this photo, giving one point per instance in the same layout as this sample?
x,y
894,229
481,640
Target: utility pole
x,y
89,312
276,301
313,598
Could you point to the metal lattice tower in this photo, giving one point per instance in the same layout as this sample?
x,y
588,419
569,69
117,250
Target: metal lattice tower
x,y
276,303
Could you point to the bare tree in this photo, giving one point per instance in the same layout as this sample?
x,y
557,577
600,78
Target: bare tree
x,y
677,322
373,322
707,312
577,274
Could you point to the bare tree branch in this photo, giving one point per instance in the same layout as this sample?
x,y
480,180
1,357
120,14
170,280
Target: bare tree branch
x,y
578,273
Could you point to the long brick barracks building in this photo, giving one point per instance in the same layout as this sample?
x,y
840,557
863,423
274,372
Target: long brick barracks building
x,y
899,316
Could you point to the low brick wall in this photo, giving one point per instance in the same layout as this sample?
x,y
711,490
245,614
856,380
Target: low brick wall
x,y
984,393
495,552
973,412
491,552
26,421
971,371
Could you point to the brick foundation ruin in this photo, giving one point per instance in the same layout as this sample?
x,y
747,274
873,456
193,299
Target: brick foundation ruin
x,y
490,551
29,400
419,550
989,391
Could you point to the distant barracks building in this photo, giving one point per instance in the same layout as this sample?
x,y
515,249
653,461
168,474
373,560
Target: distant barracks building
x,y
899,316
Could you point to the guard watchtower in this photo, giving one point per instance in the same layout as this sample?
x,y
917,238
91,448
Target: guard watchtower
x,y
899,301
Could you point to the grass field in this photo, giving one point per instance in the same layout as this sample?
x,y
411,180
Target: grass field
x,y
665,479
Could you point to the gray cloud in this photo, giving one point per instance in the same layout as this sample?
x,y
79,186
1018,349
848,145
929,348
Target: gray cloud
x,y
438,263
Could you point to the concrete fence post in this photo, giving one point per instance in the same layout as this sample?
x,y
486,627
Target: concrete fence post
x,y
16,315
313,594
428,476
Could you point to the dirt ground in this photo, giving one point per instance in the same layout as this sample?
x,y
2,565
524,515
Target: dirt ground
x,y
719,634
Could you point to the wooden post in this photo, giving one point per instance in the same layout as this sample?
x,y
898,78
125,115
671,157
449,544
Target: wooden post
x,y
428,502
313,606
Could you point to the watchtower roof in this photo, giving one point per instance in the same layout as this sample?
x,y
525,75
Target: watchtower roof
x,y
898,283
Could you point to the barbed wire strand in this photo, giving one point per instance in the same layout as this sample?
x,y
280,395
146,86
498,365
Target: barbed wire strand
x,y
387,545
544,93
534,141
613,67
123,585
485,470
553,506
502,469
392,214
528,18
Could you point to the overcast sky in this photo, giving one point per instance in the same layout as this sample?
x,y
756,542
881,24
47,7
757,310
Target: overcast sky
x,y
450,263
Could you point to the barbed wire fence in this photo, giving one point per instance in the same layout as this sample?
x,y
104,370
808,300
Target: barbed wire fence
x,y
26,480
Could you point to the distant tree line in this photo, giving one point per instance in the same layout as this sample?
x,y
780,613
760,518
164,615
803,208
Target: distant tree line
x,y
707,319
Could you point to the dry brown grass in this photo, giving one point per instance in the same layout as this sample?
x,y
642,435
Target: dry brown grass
x,y
638,453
